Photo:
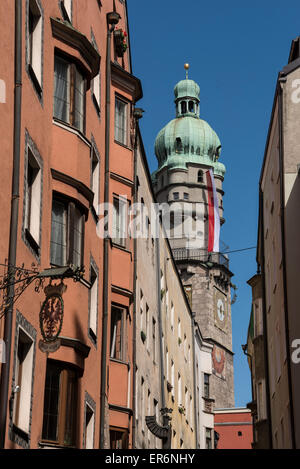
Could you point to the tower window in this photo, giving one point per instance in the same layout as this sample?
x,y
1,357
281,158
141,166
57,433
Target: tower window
x,y
183,107
176,195
191,106
186,196
200,176
178,145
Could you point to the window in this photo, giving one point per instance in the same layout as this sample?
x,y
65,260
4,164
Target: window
x,y
119,234
60,404
172,316
154,339
147,326
183,107
208,440
96,92
69,93
33,187
143,403
118,439
95,178
121,121
186,196
172,377
191,106
23,382
89,427
67,234
96,83
34,44
93,302
66,7
179,390
179,331
206,385
200,176
176,195
117,333
178,145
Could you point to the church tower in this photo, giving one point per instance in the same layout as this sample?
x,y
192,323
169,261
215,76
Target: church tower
x,y
186,149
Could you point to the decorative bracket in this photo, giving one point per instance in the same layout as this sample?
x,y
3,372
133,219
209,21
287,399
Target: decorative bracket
x,y
21,278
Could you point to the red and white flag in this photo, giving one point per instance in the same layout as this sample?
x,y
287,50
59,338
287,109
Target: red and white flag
x,y
213,214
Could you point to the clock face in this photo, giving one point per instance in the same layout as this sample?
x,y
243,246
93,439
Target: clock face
x,y
221,310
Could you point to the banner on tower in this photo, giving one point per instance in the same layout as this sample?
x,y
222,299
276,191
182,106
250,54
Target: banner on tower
x,y
213,214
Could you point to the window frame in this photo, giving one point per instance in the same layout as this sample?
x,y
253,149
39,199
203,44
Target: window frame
x,y
73,70
68,373
35,34
95,158
206,385
123,217
122,348
32,238
125,437
67,15
71,207
93,308
126,104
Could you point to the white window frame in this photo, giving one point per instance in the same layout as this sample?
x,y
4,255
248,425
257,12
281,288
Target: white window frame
x,y
120,222
33,196
89,427
95,178
67,7
93,317
35,42
121,121
23,388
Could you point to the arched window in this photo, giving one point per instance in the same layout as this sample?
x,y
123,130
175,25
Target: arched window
x,y
200,175
191,106
183,107
178,145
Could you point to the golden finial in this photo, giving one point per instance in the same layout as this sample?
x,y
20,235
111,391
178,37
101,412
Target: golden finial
x,y
187,66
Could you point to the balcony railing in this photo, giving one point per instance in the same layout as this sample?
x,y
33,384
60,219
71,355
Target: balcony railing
x,y
185,254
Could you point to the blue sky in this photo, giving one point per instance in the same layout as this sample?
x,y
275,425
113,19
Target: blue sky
x,y
235,50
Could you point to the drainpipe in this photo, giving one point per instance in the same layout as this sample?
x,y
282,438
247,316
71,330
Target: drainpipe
x,y
112,19
137,114
264,308
195,384
283,244
4,385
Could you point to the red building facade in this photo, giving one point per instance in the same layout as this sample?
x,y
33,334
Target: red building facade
x,y
67,129
234,428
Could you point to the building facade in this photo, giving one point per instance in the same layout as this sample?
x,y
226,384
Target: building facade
x,y
234,428
164,333
67,125
186,148
278,260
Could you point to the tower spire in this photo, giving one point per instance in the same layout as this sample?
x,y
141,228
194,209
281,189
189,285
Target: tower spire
x,y
187,66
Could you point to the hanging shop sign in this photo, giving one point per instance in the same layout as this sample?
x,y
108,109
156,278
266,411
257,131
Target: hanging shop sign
x,y
51,314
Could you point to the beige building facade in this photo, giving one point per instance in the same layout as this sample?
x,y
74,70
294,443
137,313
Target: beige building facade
x,y
164,331
278,258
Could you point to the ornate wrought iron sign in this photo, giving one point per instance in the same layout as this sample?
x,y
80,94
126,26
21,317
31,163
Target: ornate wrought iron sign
x,y
52,311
